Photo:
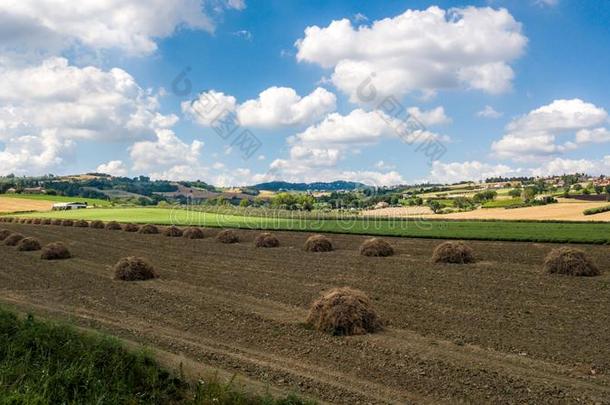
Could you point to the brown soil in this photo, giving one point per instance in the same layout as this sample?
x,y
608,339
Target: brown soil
x,y
501,330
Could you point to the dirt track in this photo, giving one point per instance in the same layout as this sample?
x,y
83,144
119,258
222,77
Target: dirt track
x,y
498,331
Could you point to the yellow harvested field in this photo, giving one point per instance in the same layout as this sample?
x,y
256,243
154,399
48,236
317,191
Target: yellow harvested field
x,y
565,210
562,211
397,212
20,204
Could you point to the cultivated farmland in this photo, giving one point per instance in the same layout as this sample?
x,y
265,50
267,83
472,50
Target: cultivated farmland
x,y
499,330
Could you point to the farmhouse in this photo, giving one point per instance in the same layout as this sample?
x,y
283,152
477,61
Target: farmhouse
x,y
69,206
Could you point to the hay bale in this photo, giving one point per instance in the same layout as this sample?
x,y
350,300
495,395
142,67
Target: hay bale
x,y
67,222
149,229
227,236
172,231
55,251
131,228
571,262
27,221
9,219
455,252
45,221
266,240
376,247
36,221
13,239
4,233
56,221
193,233
134,269
344,311
318,243
81,224
28,245
97,224
113,226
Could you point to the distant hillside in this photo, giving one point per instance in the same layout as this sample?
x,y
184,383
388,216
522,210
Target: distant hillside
x,y
319,186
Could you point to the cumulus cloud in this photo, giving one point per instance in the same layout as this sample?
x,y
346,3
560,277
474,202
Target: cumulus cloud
x,y
559,166
425,51
461,171
536,134
275,107
597,135
430,118
49,26
53,104
114,168
167,150
282,106
489,112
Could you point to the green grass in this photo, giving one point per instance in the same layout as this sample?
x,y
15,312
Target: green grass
x,y
46,363
533,231
598,210
502,203
59,198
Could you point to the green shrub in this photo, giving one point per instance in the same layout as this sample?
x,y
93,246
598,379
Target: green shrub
x,y
598,210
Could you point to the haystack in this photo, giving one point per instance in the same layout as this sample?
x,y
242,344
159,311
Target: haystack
x,y
344,311
318,243
113,226
149,229
97,224
55,251
131,227
193,233
172,231
376,247
571,262
13,239
81,223
134,269
266,240
4,233
455,252
28,245
227,236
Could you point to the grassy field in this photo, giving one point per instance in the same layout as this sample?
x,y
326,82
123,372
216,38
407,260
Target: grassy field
x,y
502,203
59,198
446,229
46,363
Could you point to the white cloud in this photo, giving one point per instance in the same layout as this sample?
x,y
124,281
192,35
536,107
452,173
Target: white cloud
x,y
282,106
461,171
549,3
114,168
489,112
167,150
209,107
560,166
423,51
597,135
535,134
275,107
435,116
53,104
49,26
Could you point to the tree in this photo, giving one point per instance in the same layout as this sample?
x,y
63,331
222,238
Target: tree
x,y
598,189
244,203
435,206
515,192
528,193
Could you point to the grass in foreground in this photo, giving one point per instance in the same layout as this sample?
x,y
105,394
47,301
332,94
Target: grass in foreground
x,y
530,231
45,363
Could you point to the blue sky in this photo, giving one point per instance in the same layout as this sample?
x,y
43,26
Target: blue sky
x,y
506,87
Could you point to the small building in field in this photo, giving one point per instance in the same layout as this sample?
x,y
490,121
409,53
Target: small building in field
x,y
34,190
69,206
